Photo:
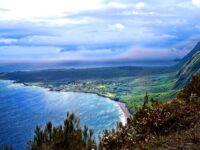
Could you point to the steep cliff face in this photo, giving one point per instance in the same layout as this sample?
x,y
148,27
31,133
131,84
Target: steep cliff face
x,y
189,56
189,66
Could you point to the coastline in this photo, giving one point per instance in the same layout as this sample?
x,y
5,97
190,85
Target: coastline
x,y
108,112
124,109
121,104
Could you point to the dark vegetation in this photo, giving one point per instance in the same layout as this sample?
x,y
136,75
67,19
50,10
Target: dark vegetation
x,y
69,136
70,75
171,125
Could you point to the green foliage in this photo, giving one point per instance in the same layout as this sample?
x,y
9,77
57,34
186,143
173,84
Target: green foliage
x,y
191,67
157,119
116,139
192,88
69,136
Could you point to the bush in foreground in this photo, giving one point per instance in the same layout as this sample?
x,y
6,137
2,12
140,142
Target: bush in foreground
x,y
69,136
169,125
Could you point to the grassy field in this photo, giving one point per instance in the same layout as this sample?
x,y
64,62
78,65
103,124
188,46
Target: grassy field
x,y
133,89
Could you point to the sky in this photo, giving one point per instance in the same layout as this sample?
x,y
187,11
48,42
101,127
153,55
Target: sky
x,y
97,30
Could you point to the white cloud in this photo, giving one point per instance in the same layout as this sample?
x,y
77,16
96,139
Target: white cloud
x,y
48,53
117,5
140,5
95,24
196,2
139,13
117,26
167,36
7,40
26,9
60,21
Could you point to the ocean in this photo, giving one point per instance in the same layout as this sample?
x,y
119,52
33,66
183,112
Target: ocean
x,y
23,107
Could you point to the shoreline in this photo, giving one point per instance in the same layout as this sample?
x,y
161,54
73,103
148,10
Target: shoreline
x,y
121,104
124,110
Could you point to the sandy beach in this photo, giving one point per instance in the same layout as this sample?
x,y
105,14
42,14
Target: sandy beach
x,y
124,109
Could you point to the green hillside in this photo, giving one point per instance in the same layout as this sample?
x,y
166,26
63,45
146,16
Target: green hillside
x,y
189,55
191,67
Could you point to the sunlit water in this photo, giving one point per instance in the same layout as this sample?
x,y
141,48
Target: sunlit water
x,y
22,108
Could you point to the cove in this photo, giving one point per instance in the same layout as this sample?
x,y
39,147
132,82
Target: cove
x,y
23,107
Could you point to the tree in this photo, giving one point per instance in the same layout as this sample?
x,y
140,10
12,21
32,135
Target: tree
x,y
68,136
146,100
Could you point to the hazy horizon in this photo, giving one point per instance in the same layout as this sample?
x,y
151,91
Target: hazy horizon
x,y
33,66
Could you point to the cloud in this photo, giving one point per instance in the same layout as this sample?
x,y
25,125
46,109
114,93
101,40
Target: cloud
x,y
47,53
139,13
140,5
60,21
117,5
186,46
7,41
117,27
167,36
3,9
23,9
141,53
196,2
96,29
50,53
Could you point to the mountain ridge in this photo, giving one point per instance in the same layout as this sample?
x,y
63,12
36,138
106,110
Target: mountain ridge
x,y
189,55
189,66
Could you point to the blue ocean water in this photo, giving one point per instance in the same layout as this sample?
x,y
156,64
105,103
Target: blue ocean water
x,y
22,108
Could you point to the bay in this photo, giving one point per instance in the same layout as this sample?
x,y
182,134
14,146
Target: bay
x,y
23,107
